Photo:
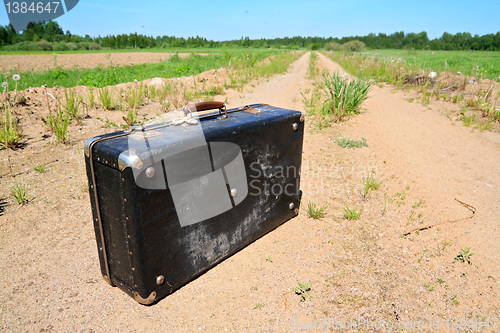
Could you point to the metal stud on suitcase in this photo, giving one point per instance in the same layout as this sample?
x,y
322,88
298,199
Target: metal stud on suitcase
x,y
172,199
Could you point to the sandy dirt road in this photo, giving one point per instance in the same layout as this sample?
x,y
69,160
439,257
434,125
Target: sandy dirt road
x,y
362,272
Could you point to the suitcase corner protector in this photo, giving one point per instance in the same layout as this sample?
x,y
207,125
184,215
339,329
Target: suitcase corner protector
x,y
145,301
129,159
108,280
86,148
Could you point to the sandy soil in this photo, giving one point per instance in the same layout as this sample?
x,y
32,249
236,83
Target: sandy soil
x,y
43,62
363,271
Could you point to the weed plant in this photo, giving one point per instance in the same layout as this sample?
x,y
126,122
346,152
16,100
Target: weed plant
x,y
313,68
91,98
351,144
352,214
370,183
343,98
73,101
464,256
303,290
106,98
10,132
40,168
316,212
58,124
19,192
134,97
131,118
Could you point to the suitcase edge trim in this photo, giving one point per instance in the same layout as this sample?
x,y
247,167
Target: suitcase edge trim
x,y
93,187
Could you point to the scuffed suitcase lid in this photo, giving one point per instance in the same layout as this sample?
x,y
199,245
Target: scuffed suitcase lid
x,y
128,148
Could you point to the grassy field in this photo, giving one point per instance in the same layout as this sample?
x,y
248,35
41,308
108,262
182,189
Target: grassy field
x,y
478,100
172,67
480,64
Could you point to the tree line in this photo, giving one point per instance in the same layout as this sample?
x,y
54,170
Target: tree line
x,y
51,36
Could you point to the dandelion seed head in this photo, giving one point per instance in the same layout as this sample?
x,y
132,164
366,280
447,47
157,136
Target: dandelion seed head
x,y
16,77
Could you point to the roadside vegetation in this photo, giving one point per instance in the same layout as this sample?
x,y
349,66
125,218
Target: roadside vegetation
x,y
174,66
343,98
351,143
316,212
10,131
477,98
69,107
480,64
334,97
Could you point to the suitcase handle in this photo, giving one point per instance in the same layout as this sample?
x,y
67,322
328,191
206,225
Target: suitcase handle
x,y
204,106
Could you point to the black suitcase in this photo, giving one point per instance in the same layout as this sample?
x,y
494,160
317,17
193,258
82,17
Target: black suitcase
x,y
170,200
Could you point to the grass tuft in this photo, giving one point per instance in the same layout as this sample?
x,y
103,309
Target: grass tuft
x,y
91,98
40,168
10,132
73,101
344,98
351,214
352,144
370,183
58,124
20,193
131,118
107,99
316,212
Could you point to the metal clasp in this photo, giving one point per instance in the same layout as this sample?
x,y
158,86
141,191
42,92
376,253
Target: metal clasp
x,y
225,112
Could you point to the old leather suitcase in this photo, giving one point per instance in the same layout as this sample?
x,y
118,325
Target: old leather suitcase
x,y
173,198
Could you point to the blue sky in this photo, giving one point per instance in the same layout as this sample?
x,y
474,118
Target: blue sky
x,y
224,20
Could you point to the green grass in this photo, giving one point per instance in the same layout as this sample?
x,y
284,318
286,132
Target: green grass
x,y
107,99
73,101
40,168
58,124
420,203
391,66
175,66
10,132
351,144
258,306
131,118
352,214
91,98
379,68
313,69
370,183
20,193
344,97
316,212
468,120
277,64
311,103
248,67
481,64
134,97
405,69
